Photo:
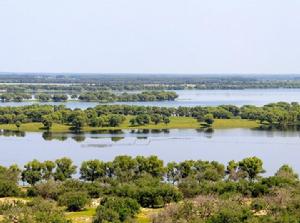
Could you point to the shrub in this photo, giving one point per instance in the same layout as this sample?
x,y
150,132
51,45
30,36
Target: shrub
x,y
149,192
112,209
8,188
36,211
74,201
48,189
104,214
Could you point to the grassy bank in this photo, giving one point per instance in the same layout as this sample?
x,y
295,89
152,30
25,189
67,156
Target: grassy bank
x,y
175,123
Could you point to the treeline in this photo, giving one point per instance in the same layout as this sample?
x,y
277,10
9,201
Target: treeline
x,y
80,83
16,97
103,96
144,96
19,97
135,85
128,183
275,115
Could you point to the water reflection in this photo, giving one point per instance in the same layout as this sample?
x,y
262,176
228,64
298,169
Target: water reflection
x,y
112,132
48,136
8,133
273,147
114,135
79,137
117,136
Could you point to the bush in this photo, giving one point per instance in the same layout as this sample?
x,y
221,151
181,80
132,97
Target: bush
x,y
104,214
9,189
48,189
149,192
114,209
75,201
36,211
230,215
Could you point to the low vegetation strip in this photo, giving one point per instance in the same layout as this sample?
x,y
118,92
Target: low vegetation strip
x,y
175,123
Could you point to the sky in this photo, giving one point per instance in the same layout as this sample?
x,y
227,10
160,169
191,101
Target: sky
x,y
150,36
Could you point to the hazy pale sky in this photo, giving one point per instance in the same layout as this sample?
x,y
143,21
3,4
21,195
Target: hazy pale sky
x,y
152,36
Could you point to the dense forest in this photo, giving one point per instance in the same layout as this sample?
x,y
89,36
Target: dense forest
x,y
188,191
275,115
62,83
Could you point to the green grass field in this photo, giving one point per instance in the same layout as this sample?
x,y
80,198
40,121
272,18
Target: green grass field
x,y
175,123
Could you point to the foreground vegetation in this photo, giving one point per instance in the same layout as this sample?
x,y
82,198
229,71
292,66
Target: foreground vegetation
x,y
143,189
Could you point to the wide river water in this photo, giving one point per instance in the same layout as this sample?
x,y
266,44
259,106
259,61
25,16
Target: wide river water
x,y
204,98
273,147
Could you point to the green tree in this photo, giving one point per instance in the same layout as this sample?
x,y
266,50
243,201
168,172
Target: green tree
x,y
33,172
150,165
78,122
48,167
252,166
64,169
124,168
92,170
209,119
9,179
47,122
18,124
133,122
156,119
115,120
287,173
166,120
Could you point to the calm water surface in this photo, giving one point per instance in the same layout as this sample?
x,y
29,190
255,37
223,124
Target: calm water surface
x,y
204,98
274,148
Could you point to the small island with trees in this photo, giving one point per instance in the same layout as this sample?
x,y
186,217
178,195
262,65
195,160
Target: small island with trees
x,y
279,116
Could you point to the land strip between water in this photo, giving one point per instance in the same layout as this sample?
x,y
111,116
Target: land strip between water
x,y
175,123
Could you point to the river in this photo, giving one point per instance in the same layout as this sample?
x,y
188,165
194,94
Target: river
x,y
273,147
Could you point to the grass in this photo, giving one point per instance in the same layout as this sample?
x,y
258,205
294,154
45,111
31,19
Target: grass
x,y
145,215
175,123
235,123
85,216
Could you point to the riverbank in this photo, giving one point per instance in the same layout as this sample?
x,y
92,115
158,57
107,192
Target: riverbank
x,y
175,123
